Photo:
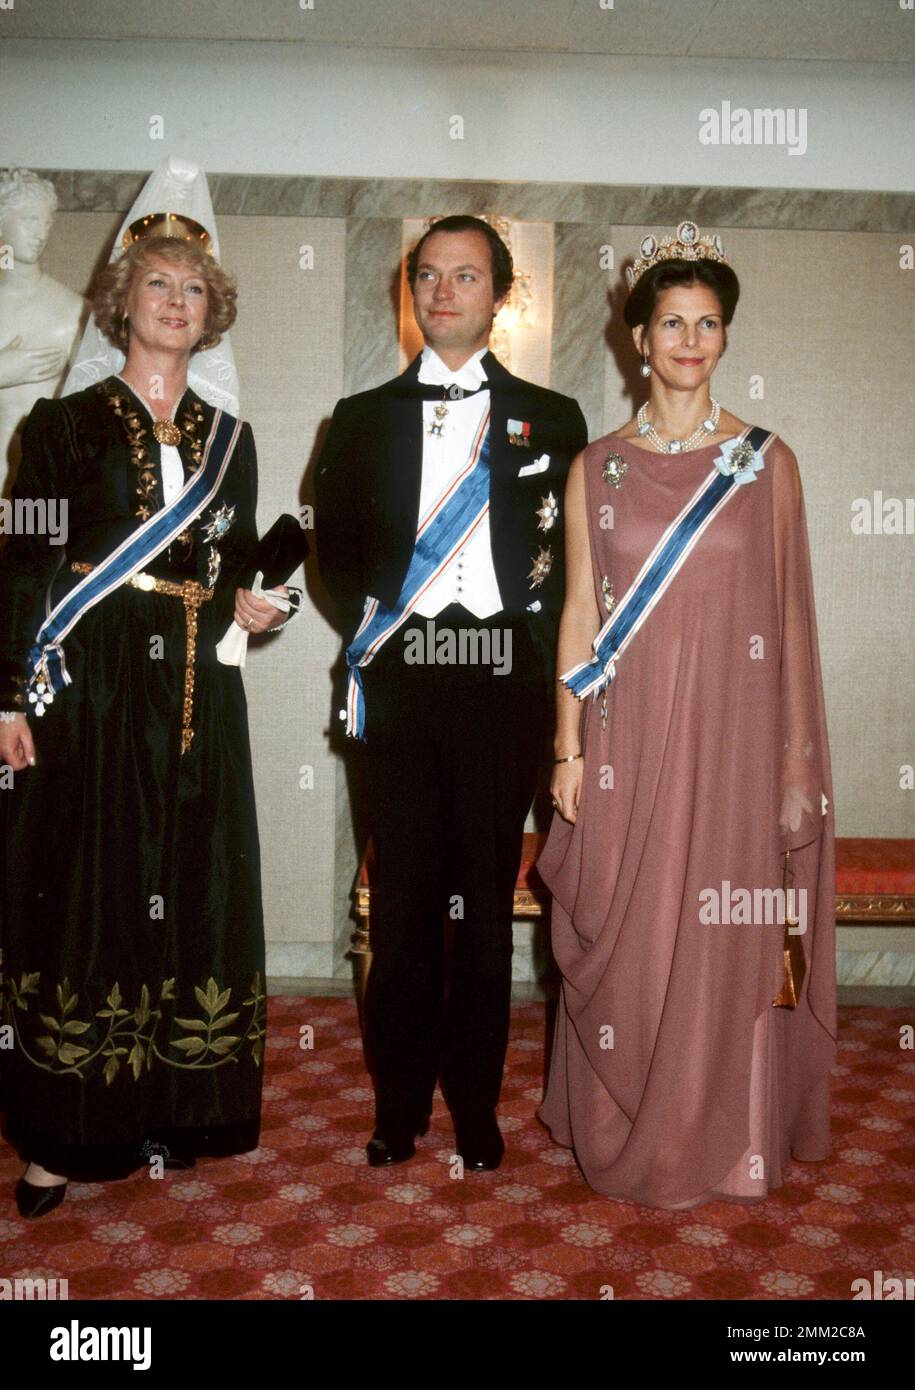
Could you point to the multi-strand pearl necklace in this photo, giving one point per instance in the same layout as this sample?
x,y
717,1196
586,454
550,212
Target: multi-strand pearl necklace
x,y
677,446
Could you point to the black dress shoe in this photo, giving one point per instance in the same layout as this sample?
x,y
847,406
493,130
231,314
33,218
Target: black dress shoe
x,y
33,1201
393,1145
479,1141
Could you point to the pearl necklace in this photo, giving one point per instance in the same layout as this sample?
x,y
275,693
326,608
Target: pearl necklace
x,y
676,446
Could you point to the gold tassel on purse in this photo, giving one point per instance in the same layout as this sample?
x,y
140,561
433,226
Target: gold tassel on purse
x,y
793,954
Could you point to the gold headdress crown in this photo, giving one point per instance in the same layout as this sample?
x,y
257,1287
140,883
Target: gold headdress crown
x,y
173,224
687,245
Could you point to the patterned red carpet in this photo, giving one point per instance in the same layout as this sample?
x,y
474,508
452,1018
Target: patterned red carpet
x,y
306,1213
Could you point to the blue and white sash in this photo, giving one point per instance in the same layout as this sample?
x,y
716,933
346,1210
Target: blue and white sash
x,y
46,658
441,533
738,463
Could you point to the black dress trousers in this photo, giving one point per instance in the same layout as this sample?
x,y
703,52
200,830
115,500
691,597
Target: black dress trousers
x,y
453,752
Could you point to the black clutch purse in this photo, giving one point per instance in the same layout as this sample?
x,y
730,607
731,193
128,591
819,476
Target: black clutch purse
x,y
279,551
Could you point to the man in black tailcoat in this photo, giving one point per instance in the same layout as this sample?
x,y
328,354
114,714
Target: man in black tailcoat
x,y
453,703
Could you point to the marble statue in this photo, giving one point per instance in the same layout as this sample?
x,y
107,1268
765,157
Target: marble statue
x,y
39,317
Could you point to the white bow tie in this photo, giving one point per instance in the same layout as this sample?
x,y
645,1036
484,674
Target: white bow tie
x,y
433,372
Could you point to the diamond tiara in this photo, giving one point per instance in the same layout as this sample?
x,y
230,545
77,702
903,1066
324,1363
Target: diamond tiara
x,y
686,245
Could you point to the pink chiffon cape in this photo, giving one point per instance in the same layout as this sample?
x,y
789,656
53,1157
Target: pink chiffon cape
x,y
673,1077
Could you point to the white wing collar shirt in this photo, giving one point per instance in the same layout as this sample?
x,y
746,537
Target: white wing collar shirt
x,y
470,578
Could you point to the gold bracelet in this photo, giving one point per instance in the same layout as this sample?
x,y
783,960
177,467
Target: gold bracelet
x,y
570,759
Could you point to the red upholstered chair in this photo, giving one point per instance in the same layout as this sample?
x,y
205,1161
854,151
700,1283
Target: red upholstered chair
x,y
875,884
875,881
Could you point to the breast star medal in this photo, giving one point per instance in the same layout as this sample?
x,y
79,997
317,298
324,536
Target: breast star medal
x,y
547,512
542,566
167,432
216,526
615,469
214,565
218,523
741,457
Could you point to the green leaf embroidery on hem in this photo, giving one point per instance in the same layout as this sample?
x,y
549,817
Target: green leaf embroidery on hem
x,y
133,1033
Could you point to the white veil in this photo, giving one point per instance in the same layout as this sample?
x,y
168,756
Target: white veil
x,y
176,186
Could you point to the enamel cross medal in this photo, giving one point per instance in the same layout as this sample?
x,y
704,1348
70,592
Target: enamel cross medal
x,y
438,424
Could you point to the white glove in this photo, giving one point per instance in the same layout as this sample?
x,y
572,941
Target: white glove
x,y
232,649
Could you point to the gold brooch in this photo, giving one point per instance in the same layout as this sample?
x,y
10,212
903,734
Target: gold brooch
x,y
167,432
615,469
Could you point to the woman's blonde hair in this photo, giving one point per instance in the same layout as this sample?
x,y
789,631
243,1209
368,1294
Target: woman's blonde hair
x,y
109,294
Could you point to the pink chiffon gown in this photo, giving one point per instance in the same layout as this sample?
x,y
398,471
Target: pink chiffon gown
x,y
673,1078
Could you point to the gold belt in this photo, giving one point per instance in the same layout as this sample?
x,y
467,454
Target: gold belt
x,y
192,596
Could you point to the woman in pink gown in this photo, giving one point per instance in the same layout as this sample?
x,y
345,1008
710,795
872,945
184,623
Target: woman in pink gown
x,y
679,788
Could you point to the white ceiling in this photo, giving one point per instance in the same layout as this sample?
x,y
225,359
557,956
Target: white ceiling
x,y
823,30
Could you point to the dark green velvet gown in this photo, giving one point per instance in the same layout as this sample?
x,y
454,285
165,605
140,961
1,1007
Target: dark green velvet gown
x,y
132,972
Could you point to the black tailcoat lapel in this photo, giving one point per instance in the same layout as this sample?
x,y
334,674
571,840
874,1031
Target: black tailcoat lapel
x,y
400,456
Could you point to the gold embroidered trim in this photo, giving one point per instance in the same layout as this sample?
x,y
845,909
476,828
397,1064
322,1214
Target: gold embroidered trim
x,y
137,429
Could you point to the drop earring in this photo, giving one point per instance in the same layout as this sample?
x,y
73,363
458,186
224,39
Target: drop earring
x,y
645,368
